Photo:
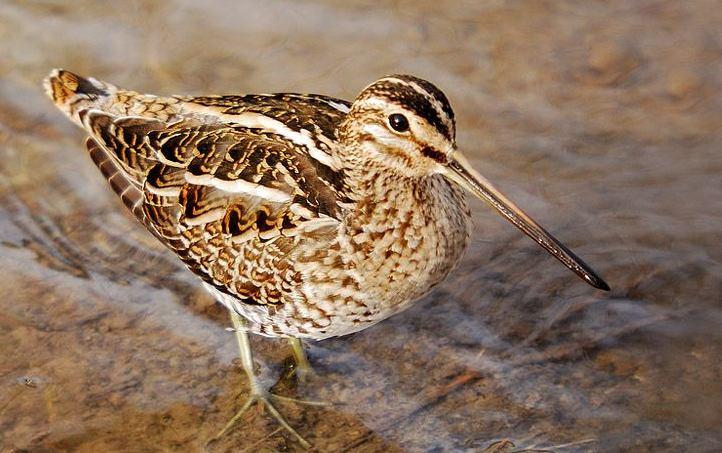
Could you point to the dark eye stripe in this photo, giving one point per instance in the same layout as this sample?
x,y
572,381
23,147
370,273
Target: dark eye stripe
x,y
412,100
433,153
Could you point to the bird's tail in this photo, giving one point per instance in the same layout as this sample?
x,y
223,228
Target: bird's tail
x,y
116,143
72,93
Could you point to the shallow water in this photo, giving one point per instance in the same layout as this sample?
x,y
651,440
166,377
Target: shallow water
x,y
602,119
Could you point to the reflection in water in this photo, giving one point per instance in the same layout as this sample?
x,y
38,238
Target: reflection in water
x,y
602,120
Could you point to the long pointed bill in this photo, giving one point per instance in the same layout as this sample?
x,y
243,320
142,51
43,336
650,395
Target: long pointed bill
x,y
459,171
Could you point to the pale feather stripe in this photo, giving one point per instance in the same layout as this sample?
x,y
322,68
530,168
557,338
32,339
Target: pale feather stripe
x,y
318,223
239,186
124,191
89,114
163,160
258,121
172,191
338,106
301,211
207,217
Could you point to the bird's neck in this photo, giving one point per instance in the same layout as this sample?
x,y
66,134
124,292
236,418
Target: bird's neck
x,y
396,220
370,176
373,183
386,198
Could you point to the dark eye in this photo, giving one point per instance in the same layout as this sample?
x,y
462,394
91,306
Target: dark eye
x,y
398,122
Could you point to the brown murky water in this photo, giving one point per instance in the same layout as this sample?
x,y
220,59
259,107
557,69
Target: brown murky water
x,y
603,119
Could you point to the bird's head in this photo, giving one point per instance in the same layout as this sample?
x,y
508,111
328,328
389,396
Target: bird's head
x,y
406,125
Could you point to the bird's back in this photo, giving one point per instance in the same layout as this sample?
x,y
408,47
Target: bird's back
x,y
232,184
248,191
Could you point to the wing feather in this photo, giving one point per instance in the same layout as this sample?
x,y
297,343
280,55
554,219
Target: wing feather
x,y
128,192
231,201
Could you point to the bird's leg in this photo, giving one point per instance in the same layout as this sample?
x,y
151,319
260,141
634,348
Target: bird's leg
x,y
303,369
258,393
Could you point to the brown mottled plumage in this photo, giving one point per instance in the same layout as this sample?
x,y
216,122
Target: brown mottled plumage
x,y
309,216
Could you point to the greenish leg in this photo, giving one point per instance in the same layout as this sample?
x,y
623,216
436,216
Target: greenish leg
x,y
303,367
258,393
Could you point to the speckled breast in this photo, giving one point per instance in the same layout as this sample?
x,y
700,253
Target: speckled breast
x,y
387,254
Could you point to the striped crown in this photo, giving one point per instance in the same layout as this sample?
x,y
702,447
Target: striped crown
x,y
419,96
404,123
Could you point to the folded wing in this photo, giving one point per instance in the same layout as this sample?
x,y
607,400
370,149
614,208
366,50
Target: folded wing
x,y
220,195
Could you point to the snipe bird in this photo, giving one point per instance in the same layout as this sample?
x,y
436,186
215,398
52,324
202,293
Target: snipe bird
x,y
307,216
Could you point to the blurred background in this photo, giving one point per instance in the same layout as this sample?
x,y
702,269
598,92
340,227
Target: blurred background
x,y
601,119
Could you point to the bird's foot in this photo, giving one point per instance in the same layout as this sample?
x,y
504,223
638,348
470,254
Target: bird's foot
x,y
302,369
302,372
264,398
